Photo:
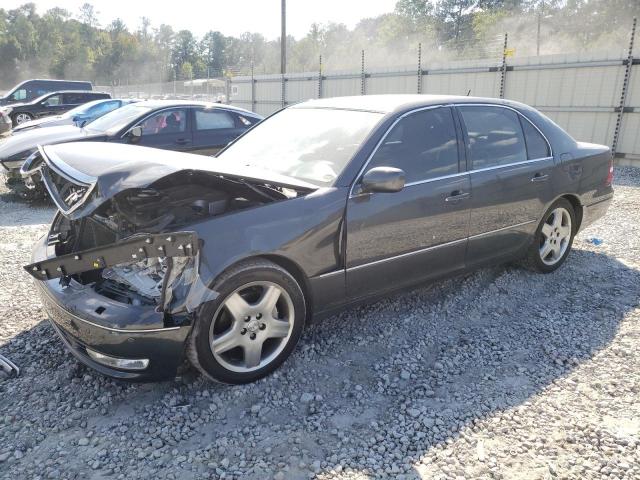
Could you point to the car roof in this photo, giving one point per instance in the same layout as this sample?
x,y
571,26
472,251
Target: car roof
x,y
76,91
193,103
394,103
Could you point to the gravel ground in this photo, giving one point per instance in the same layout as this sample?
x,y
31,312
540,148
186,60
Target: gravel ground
x,y
499,374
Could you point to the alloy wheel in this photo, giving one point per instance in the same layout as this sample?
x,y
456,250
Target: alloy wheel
x,y
555,236
22,118
252,326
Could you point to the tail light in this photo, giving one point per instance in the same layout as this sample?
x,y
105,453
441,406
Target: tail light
x,y
609,179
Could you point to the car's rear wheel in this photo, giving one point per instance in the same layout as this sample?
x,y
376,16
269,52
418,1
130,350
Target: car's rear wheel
x,y
553,238
251,327
20,118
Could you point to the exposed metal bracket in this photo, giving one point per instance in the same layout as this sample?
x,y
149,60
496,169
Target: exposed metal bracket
x,y
139,247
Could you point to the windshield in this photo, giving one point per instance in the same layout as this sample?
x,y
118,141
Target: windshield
x,y
118,119
310,144
81,109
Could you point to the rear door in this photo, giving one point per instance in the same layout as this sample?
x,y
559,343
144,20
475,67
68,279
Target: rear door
x,y
394,239
213,129
72,100
168,129
510,166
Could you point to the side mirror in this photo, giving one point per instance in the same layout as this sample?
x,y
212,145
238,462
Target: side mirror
x,y
382,180
134,134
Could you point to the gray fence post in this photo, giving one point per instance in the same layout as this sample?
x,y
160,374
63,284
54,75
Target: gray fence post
x,y
363,77
320,78
283,93
419,68
503,70
253,90
625,89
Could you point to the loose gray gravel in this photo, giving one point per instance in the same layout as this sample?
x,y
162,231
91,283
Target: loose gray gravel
x,y
499,374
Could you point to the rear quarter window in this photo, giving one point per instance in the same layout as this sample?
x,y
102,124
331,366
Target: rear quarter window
x,y
537,146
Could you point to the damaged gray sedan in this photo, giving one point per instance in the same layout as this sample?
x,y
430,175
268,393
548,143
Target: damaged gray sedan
x,y
158,256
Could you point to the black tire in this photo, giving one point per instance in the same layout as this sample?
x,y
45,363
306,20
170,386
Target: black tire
x,y
14,118
198,348
533,260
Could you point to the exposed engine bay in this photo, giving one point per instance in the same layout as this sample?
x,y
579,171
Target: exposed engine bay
x,y
168,205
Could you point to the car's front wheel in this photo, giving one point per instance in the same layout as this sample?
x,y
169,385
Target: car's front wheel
x,y
553,238
251,327
20,118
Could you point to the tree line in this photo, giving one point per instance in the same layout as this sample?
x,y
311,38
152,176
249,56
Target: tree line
x,y
63,44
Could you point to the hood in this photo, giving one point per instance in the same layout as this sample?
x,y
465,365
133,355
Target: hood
x,y
43,122
105,169
30,139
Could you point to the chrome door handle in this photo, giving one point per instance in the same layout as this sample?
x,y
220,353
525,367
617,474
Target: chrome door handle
x,y
540,178
457,196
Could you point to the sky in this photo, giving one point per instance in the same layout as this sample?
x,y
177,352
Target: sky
x,y
231,17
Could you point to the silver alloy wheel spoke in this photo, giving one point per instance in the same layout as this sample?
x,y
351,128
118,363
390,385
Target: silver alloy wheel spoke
x,y
237,306
227,341
269,299
253,354
556,235
277,328
261,328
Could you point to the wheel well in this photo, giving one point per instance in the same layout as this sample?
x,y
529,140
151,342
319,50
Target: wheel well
x,y
577,208
294,269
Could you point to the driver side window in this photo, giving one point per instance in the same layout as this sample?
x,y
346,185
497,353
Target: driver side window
x,y
19,94
423,144
167,121
53,101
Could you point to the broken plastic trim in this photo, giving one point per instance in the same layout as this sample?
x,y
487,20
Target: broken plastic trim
x,y
138,247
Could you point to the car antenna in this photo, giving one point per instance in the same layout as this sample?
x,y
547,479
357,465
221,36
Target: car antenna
x,y
469,92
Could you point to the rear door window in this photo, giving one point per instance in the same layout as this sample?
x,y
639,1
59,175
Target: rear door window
x,y
74,98
213,120
424,145
494,136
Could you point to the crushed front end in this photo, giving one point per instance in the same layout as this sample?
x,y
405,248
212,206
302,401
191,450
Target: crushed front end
x,y
109,304
119,270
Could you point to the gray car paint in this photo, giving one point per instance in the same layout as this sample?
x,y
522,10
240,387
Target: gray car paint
x,y
344,248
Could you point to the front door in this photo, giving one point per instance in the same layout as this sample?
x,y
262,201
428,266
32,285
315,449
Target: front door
x,y
511,169
395,239
53,105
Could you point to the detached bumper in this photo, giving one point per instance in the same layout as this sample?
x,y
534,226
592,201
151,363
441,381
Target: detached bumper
x,y
84,319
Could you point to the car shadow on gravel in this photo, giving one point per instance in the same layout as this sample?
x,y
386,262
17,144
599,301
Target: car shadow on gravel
x,y
378,390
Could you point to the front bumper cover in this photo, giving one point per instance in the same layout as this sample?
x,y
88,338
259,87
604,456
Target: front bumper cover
x,y
83,318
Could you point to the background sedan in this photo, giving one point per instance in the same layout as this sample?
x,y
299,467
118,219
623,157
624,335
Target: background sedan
x,y
79,116
197,127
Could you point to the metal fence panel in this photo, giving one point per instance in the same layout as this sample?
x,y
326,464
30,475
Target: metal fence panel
x,y
630,134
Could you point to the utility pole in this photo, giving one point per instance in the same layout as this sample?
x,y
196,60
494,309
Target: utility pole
x,y
540,13
283,39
